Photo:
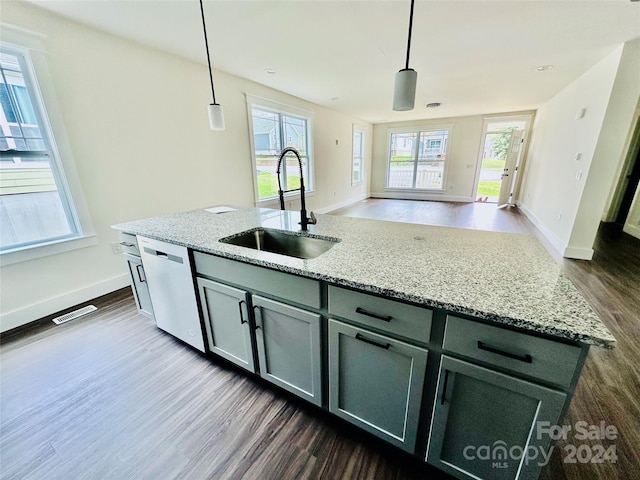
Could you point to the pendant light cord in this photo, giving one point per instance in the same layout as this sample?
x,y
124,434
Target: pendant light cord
x,y
408,41
206,44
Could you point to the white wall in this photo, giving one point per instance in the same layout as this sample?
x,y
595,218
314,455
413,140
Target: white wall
x,y
465,144
136,119
610,152
568,209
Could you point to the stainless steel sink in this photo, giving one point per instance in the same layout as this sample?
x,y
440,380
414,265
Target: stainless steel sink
x,y
282,243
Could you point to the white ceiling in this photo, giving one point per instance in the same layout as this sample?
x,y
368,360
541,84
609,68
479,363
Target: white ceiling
x,y
472,56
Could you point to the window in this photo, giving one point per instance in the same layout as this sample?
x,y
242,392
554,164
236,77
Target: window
x,y
358,157
35,206
417,159
274,128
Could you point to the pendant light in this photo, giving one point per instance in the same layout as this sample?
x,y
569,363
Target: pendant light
x,y
216,115
404,92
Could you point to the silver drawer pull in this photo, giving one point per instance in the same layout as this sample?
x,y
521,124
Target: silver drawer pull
x,y
385,318
372,342
488,348
127,244
242,320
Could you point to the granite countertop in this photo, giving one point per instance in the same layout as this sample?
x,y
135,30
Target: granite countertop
x,y
501,277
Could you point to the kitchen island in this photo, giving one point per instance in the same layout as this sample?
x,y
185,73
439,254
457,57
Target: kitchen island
x,y
416,334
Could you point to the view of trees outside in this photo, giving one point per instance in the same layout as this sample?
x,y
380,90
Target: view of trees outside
x,y
494,158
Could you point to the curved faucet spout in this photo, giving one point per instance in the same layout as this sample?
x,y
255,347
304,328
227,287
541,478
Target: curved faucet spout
x,y
304,221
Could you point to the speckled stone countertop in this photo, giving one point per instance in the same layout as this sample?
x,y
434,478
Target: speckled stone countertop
x,y
501,277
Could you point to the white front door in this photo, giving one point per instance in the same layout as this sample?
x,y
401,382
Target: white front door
x,y
508,175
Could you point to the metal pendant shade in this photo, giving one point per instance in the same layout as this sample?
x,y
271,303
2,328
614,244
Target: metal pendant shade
x,y
216,114
404,92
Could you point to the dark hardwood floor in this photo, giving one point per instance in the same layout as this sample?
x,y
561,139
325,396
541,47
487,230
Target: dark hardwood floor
x,y
109,396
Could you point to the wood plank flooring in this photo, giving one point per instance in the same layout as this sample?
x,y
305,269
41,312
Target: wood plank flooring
x,y
109,396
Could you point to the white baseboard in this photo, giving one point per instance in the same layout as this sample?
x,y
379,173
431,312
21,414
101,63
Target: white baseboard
x,y
336,206
421,196
24,315
561,247
557,244
578,253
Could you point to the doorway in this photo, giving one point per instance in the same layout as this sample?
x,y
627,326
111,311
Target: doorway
x,y
502,149
632,180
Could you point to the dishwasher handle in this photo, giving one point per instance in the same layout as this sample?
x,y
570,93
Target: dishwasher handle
x,y
163,255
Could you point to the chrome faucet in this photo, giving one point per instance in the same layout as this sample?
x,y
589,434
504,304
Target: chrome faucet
x,y
304,221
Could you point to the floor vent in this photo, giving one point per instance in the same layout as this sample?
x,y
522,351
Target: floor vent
x,y
75,314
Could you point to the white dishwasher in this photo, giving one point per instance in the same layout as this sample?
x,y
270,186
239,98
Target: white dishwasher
x,y
173,296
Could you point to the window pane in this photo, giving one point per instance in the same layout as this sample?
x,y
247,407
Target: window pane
x,y
295,133
357,162
18,120
7,108
402,160
431,159
33,209
272,130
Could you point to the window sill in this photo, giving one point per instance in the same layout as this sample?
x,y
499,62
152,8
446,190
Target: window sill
x,y
274,202
44,250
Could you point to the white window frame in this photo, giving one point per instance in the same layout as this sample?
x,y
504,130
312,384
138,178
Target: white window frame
x,y
276,107
414,129
362,132
31,46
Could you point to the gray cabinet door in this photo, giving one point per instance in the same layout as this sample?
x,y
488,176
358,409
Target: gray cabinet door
x,y
376,382
226,320
289,343
483,419
139,285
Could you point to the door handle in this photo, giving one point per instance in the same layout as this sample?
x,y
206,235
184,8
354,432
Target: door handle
x,y
372,342
385,318
242,320
138,268
489,348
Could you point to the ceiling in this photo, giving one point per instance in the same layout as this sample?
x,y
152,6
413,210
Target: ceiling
x,y
474,57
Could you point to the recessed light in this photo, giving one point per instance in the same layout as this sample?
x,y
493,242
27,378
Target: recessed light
x,y
543,68
433,105
270,71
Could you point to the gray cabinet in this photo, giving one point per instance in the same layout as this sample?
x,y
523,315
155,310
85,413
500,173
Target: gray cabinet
x,y
480,415
226,320
288,342
376,382
139,284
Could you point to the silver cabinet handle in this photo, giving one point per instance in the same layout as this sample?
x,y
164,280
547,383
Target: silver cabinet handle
x,y
242,320
256,313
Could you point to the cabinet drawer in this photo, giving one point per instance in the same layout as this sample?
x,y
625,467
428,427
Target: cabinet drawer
x,y
538,357
386,315
376,383
304,291
129,243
